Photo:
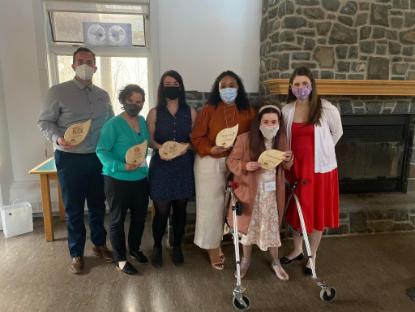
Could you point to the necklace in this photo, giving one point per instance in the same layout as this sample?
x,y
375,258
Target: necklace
x,y
226,119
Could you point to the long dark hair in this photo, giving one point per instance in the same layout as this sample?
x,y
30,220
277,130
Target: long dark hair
x,y
241,100
256,139
161,99
314,99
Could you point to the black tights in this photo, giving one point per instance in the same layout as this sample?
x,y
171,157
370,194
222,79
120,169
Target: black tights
x,y
162,209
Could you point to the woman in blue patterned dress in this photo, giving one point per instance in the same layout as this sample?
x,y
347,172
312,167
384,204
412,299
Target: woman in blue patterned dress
x,y
171,181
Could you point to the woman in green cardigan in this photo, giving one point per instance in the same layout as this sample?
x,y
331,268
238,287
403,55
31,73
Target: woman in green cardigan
x,y
126,185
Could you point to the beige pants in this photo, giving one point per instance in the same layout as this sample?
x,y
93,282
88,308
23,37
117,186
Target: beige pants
x,y
210,180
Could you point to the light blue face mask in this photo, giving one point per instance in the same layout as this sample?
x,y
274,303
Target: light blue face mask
x,y
228,95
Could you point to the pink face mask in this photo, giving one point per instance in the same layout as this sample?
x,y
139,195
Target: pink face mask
x,y
302,93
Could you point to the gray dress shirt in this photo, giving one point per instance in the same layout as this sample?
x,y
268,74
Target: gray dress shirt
x,y
71,102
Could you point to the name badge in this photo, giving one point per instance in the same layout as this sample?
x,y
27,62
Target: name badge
x,y
270,186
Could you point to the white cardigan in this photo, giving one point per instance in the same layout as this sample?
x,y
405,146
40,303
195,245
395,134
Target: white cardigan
x,y
326,135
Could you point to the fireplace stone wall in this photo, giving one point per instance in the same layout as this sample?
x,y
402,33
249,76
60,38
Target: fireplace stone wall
x,y
358,40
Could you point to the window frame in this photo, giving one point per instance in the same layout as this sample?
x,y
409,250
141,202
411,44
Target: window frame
x,y
53,40
55,49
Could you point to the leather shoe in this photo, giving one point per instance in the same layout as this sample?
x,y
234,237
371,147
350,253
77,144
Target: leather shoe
x,y
102,252
141,258
285,260
128,268
77,265
177,256
157,257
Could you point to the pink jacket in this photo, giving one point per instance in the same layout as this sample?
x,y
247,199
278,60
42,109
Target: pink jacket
x,y
247,180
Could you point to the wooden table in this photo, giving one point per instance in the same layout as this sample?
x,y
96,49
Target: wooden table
x,y
47,171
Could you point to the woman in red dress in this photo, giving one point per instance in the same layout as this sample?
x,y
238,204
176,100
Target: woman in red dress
x,y
313,127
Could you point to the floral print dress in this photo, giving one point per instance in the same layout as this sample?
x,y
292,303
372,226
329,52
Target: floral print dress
x,y
264,230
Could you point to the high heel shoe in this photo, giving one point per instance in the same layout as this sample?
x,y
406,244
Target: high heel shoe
x,y
279,271
215,260
285,260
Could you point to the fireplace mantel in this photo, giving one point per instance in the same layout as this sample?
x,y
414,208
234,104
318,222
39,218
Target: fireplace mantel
x,y
351,87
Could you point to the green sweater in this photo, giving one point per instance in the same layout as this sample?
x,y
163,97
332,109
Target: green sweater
x,y
115,139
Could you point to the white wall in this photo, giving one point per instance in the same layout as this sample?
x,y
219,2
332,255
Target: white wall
x,y
21,87
6,175
23,92
201,38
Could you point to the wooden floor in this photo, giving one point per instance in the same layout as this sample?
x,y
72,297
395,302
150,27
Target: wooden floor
x,y
370,273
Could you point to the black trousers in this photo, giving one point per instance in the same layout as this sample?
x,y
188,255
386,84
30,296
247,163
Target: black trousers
x,y
80,177
121,196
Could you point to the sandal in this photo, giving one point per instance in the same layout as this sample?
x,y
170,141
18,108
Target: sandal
x,y
218,265
215,260
222,255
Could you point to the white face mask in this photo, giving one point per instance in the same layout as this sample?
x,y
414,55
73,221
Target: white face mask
x,y
84,72
269,132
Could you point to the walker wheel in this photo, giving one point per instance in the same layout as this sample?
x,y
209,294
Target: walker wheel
x,y
242,304
328,294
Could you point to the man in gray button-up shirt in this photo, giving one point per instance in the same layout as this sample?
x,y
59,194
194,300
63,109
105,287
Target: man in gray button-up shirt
x,y
71,102
79,169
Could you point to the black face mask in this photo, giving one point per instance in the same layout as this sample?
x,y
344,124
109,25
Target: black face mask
x,y
171,93
131,109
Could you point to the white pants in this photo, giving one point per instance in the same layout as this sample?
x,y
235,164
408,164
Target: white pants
x,y
210,180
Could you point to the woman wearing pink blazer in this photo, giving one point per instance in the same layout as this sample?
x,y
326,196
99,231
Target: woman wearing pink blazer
x,y
261,192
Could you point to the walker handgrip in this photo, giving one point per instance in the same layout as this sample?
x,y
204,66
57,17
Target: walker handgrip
x,y
291,187
234,185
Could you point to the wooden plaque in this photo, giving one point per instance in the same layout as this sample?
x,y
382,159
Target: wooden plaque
x,y
270,159
172,149
76,133
136,154
226,137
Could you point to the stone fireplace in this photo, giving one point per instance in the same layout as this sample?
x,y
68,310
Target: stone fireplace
x,y
362,52
344,42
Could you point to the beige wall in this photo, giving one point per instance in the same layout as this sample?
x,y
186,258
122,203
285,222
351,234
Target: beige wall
x,y
201,39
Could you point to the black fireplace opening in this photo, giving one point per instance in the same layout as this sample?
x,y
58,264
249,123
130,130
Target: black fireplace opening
x,y
374,153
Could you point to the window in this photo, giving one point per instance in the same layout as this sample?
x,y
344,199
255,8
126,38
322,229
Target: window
x,y
113,74
117,66
67,27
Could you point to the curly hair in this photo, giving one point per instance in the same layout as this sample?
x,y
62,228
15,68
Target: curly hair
x,y
128,91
